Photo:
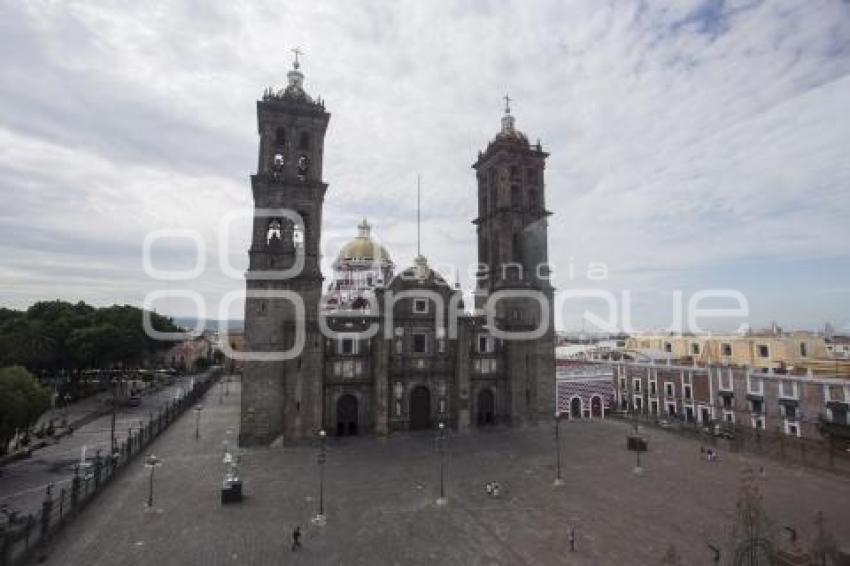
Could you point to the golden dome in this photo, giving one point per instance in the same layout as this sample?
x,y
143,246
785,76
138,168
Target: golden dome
x,y
363,248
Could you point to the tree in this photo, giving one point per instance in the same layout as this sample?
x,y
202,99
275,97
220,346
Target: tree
x,y
22,401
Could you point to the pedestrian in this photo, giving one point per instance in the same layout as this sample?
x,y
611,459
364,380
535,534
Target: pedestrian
x,y
296,538
495,489
572,539
762,471
702,452
489,488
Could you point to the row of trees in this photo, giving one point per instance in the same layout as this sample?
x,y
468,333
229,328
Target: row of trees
x,y
57,335
22,401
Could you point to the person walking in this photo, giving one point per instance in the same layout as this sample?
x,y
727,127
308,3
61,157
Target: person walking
x,y
296,538
572,539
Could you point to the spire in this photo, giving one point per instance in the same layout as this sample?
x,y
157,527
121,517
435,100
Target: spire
x,y
507,119
363,229
295,77
418,216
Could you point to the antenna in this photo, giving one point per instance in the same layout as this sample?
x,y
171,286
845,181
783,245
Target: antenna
x,y
418,215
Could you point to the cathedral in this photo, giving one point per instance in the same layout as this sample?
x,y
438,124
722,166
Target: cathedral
x,y
378,350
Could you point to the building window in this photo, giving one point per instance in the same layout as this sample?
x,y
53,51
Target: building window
x,y
441,345
804,350
726,349
727,402
764,351
420,344
652,388
791,412
420,306
668,347
346,346
637,385
695,349
793,430
668,389
304,141
485,344
756,406
687,391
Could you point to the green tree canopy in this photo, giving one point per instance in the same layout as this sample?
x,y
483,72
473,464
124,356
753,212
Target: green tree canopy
x,y
22,401
56,334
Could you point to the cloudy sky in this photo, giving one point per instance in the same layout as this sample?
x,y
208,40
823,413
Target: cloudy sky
x,y
695,144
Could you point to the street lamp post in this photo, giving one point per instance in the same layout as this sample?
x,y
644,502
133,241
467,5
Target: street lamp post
x,y
320,518
558,480
114,409
442,500
67,399
151,462
198,409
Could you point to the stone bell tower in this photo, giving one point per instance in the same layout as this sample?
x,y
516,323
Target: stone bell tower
x,y
513,256
282,387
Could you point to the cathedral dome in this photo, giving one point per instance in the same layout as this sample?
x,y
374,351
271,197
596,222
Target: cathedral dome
x,y
363,248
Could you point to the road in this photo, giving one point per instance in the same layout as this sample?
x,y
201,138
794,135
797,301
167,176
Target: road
x,y
23,483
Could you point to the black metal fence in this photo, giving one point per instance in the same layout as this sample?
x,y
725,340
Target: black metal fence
x,y
821,454
24,537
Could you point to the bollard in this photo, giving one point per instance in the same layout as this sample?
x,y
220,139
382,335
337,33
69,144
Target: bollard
x,y
61,503
98,465
46,510
28,530
75,488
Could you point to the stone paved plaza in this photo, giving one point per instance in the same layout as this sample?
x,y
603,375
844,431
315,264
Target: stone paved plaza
x,y
380,500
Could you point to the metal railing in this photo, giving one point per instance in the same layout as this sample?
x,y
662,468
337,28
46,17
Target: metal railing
x,y
24,536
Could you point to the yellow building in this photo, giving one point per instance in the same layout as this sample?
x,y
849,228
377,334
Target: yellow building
x,y
769,350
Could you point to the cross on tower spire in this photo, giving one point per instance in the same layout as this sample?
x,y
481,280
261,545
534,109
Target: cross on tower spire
x,y
508,101
297,50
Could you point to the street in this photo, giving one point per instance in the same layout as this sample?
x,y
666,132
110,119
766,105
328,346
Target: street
x,y
23,483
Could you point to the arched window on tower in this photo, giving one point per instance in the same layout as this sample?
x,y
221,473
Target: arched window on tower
x,y
304,140
516,197
280,137
273,230
532,200
514,172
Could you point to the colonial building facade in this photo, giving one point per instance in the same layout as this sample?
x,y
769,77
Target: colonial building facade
x,y
378,351
797,405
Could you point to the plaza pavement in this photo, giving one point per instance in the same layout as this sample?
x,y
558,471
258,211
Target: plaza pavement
x,y
380,500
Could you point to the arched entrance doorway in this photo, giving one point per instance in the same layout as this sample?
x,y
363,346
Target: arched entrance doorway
x,y
575,408
346,415
420,408
486,408
595,406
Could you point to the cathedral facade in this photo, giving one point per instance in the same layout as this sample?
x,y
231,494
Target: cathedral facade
x,y
377,351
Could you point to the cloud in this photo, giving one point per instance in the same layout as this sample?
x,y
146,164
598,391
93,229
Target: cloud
x,y
687,138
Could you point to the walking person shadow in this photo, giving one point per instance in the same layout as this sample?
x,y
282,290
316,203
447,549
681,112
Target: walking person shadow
x,y
296,538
